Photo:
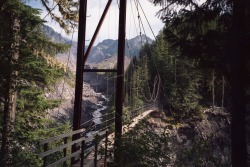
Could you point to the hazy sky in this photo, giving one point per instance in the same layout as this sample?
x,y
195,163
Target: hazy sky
x,y
109,29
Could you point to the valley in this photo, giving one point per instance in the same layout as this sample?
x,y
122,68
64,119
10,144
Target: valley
x,y
207,131
97,86
182,98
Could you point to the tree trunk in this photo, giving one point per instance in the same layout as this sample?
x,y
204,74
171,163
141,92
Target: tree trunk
x,y
213,92
10,96
223,91
175,71
238,48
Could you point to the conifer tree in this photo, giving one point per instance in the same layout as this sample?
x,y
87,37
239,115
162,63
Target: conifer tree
x,y
9,56
25,73
178,78
218,37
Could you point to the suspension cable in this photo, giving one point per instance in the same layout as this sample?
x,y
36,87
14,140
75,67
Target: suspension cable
x,y
139,18
67,67
160,79
147,20
132,10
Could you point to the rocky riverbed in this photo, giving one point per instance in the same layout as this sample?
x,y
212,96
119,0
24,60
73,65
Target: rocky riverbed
x,y
198,141
94,103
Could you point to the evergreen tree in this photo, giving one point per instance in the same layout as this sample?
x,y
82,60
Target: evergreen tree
x,y
216,34
25,75
9,57
67,9
176,82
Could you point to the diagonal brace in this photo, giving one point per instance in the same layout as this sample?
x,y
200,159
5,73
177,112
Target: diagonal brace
x,y
96,31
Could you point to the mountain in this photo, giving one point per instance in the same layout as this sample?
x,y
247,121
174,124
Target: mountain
x,y
69,56
104,54
53,35
108,48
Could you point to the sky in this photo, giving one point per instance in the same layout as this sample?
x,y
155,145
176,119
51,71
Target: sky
x,y
109,29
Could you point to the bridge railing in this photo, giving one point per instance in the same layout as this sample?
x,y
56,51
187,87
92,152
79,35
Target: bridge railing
x,y
66,146
47,151
140,110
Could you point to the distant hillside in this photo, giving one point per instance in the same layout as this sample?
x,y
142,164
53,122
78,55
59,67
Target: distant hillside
x,y
104,52
53,35
108,48
58,38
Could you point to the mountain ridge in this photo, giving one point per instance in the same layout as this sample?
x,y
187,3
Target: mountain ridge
x,y
108,48
103,51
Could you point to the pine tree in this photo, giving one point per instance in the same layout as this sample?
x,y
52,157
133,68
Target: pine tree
x,y
10,57
222,46
25,74
161,72
179,76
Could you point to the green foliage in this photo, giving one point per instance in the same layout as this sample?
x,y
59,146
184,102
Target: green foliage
x,y
43,73
179,77
36,69
200,31
143,147
184,94
191,54
68,12
201,35
192,44
25,158
27,147
202,153
32,106
138,78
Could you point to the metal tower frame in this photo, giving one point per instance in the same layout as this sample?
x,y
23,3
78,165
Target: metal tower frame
x,y
82,57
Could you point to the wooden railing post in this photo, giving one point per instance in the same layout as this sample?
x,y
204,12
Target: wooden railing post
x,y
106,149
63,148
45,148
82,153
65,140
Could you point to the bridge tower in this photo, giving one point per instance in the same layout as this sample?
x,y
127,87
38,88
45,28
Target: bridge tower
x,y
82,57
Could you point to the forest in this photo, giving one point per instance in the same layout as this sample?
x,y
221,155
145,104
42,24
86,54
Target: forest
x,y
199,60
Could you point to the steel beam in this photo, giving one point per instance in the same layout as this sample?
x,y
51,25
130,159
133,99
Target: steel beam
x,y
99,70
79,70
96,31
119,99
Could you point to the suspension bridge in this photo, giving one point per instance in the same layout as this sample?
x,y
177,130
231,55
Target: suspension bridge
x,y
86,140
90,143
